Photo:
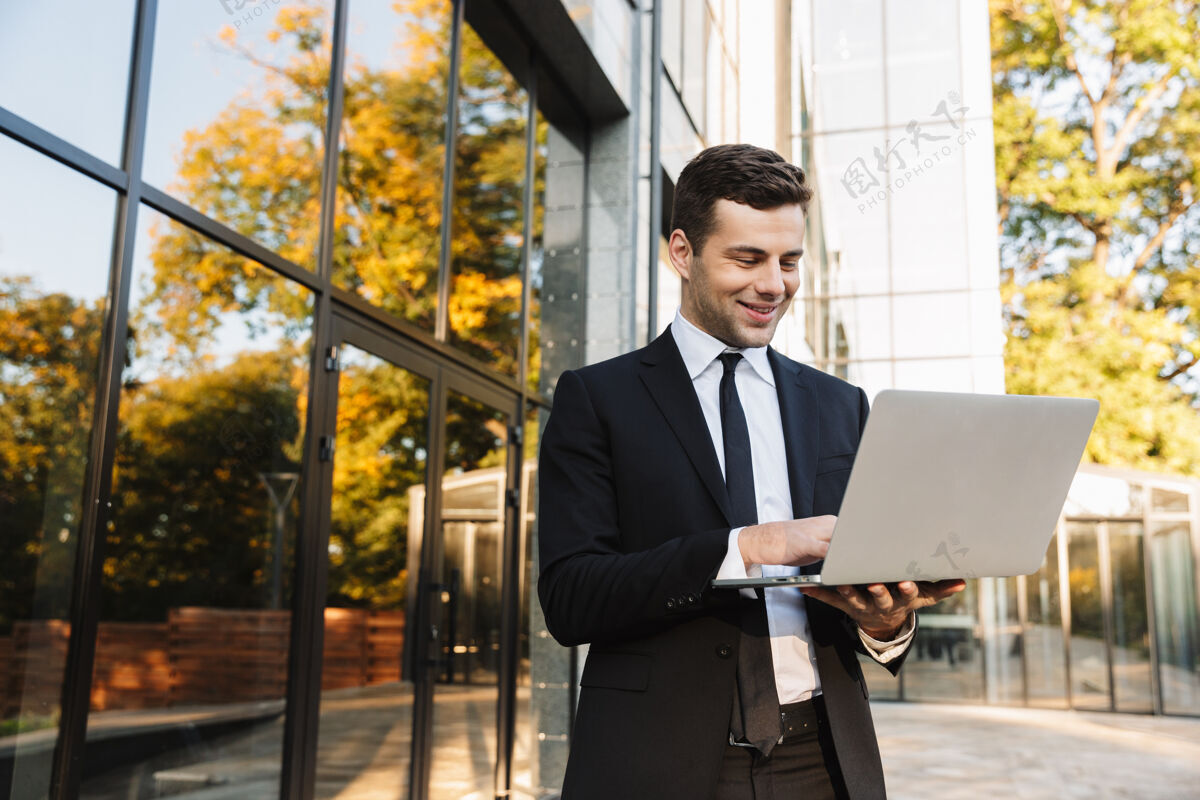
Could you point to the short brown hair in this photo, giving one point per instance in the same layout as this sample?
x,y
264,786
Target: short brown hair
x,y
743,173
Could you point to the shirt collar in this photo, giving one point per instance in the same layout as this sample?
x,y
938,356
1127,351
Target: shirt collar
x,y
699,349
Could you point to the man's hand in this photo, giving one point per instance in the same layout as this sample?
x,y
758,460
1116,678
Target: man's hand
x,y
794,542
880,610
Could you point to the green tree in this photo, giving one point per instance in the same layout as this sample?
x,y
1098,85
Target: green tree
x,y
49,359
1097,123
191,522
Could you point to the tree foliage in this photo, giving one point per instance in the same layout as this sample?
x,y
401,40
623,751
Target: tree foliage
x,y
202,426
49,358
1097,123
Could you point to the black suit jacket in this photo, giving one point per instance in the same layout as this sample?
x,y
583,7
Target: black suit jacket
x,y
633,524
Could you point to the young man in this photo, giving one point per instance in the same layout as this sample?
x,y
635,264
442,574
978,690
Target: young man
x,y
708,454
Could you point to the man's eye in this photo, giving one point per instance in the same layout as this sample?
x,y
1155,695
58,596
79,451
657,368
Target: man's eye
x,y
748,261
789,264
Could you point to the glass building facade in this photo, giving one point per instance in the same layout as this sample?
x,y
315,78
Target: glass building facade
x,y
284,291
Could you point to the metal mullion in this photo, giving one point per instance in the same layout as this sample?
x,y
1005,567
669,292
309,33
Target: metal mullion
x,y
89,560
1064,604
527,234
510,594
63,151
442,316
510,598
308,602
1104,564
1156,689
228,237
656,184
423,340
431,551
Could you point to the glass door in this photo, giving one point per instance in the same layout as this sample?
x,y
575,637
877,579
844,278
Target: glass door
x,y
413,652
469,568
380,456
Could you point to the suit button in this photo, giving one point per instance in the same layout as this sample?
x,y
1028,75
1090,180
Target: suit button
x,y
692,599
724,651
670,603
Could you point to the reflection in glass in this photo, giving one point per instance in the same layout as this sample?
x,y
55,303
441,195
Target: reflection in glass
x,y
365,730
1130,618
64,66
1166,500
246,148
392,158
1175,616
197,570
466,681
52,309
1045,658
1090,686
1002,639
946,661
489,208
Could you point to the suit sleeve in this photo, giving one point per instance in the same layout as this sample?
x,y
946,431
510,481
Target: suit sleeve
x,y
593,587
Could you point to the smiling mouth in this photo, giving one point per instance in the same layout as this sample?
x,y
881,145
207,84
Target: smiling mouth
x,y
758,312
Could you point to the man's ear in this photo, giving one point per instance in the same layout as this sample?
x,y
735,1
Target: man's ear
x,y
679,249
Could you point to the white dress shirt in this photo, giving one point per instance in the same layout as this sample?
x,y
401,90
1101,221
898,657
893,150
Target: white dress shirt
x,y
792,652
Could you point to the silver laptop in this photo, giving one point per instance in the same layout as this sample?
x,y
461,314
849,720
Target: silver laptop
x,y
952,486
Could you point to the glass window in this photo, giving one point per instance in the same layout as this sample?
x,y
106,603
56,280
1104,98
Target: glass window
x,y
1090,685
672,38
928,325
1002,639
466,681
392,159
1168,501
556,260
197,573
489,208
376,522
1172,564
1045,657
52,309
946,660
695,37
1130,618
848,63
247,146
64,66
922,56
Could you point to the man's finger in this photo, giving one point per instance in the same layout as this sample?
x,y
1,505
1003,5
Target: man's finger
x,y
881,596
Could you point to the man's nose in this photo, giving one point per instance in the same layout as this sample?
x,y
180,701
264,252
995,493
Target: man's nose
x,y
769,281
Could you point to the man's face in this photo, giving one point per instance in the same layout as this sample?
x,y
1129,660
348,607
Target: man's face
x,y
742,282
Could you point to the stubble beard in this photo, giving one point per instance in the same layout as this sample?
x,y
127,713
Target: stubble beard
x,y
722,321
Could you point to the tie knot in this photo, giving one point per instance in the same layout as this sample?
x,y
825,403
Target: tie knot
x,y
730,361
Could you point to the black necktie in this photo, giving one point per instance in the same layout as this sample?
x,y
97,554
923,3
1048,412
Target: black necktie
x,y
756,712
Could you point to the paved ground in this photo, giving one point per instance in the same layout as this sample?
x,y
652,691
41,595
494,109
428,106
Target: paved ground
x,y
955,752
931,751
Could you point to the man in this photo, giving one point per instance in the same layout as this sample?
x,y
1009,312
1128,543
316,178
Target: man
x,y
707,454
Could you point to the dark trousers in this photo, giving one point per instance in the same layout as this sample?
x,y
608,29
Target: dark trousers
x,y
802,767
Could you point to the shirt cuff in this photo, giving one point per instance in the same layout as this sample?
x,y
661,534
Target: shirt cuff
x,y
883,652
734,567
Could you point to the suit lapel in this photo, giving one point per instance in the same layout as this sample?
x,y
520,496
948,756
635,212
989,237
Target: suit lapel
x,y
801,432
667,380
